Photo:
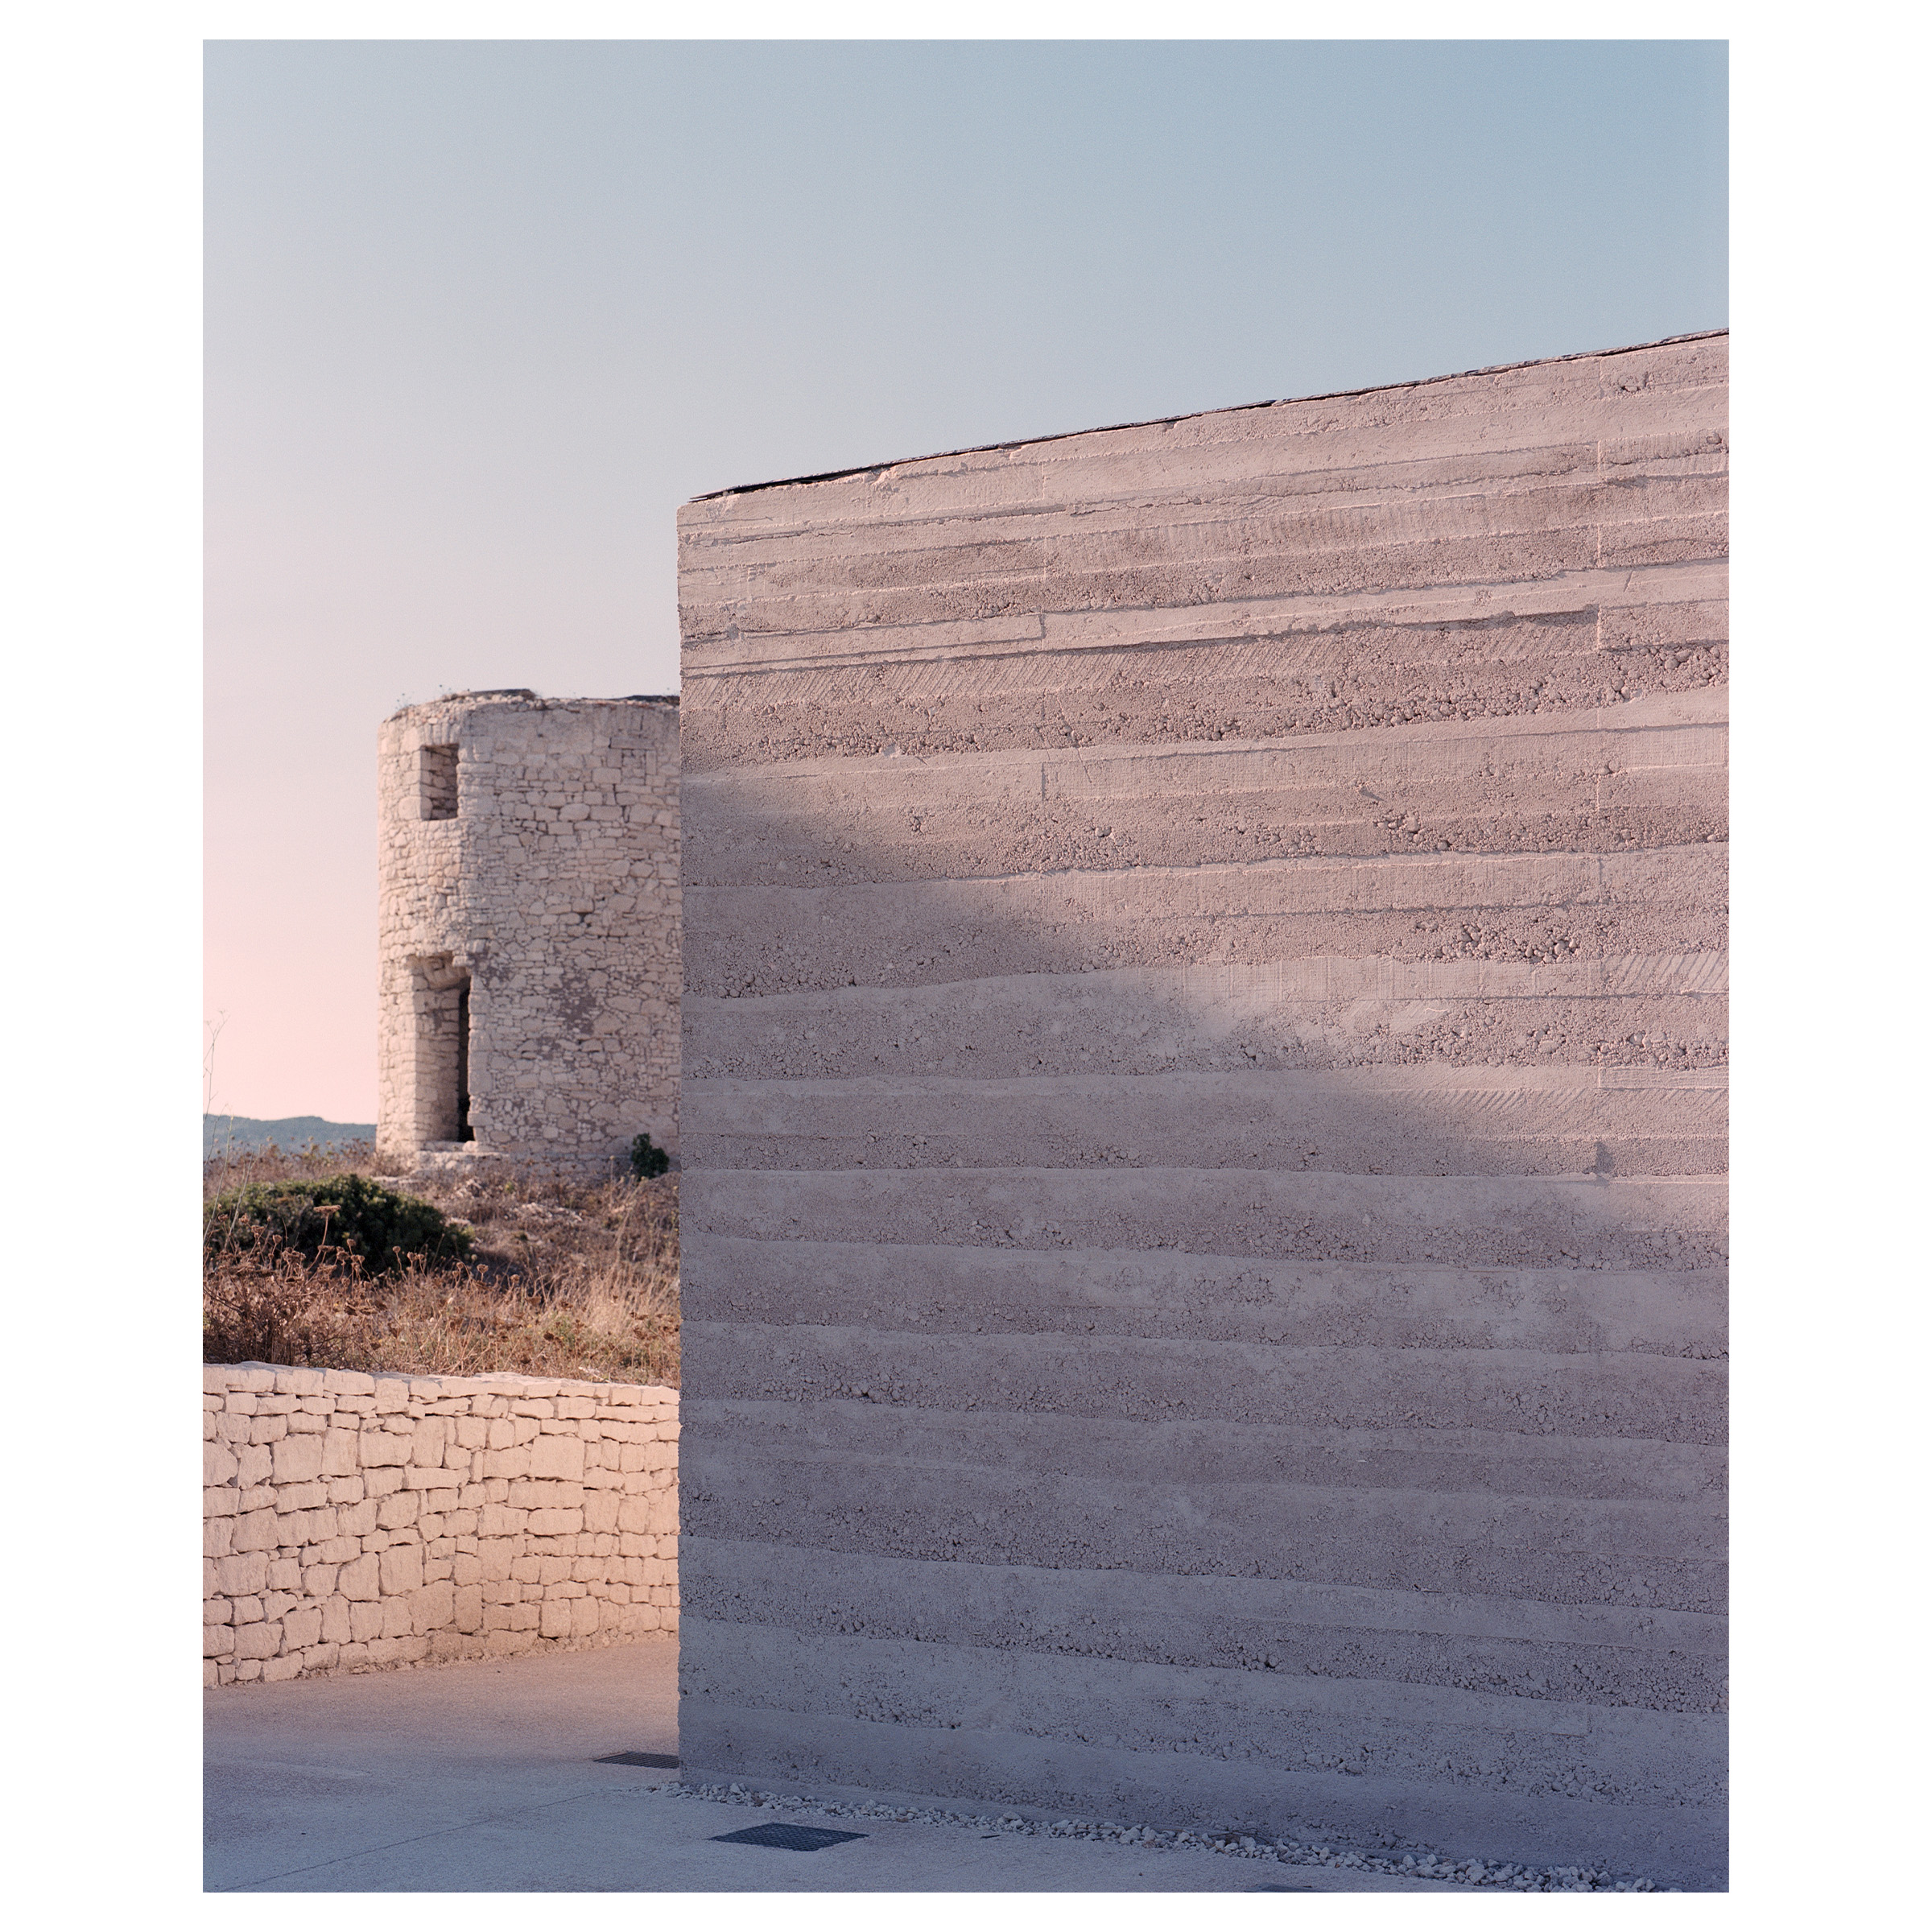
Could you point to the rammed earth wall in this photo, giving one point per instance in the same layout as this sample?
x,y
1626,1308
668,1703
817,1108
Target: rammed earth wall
x,y
1204,1148
352,1520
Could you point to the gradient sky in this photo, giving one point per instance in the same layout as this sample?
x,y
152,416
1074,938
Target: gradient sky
x,y
479,316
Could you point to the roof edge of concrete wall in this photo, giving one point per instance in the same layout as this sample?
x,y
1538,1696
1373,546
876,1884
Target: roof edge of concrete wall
x,y
1232,409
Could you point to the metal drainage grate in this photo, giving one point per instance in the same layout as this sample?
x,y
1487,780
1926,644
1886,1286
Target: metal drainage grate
x,y
787,1838
651,1761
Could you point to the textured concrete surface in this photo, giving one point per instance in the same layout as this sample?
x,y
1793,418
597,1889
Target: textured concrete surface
x,y
1204,1121
483,1777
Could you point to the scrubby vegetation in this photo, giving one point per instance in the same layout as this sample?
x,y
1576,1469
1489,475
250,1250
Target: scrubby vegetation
x,y
344,1217
533,1272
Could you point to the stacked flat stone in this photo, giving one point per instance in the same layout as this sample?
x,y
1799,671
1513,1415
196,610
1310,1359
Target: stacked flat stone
x,y
351,1521
1205,1209
545,885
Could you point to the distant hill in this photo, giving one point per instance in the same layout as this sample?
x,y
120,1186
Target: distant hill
x,y
220,1130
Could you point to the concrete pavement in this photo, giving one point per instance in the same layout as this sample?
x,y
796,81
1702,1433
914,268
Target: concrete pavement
x,y
483,1777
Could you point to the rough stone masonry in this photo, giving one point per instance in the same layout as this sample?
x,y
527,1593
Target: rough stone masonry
x,y
528,899
1204,1123
354,1520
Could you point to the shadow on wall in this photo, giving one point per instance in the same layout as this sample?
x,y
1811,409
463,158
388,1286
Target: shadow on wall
x,y
1258,1360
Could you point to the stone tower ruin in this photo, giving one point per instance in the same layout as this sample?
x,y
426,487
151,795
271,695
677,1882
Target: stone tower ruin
x,y
529,926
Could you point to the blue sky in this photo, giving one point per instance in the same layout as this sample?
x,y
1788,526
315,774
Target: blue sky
x,y
480,316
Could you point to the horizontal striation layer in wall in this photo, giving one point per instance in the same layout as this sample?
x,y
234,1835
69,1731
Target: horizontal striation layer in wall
x,y
1205,1121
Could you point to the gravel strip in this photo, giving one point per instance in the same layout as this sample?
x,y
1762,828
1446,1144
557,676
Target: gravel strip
x,y
1470,1872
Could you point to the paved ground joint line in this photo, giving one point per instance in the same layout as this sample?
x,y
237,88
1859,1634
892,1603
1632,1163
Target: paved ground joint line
x,y
470,1824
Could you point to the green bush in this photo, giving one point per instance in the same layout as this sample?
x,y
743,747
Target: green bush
x,y
648,1160
343,1216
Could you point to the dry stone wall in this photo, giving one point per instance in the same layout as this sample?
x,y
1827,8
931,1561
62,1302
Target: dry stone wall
x,y
529,913
355,1521
1204,1220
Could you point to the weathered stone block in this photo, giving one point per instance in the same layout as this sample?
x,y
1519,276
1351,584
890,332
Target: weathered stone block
x,y
401,1569
258,1640
399,1511
557,1457
256,1530
380,1448
497,1557
361,1580
432,1607
430,1439
297,1458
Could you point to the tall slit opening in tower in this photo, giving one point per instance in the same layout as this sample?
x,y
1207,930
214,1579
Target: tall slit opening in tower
x,y
464,1131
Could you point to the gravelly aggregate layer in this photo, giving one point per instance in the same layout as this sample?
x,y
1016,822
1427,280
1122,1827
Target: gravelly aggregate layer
x,y
1228,1844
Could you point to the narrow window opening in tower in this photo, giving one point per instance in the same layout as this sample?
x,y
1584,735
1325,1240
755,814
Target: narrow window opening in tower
x,y
464,1131
437,769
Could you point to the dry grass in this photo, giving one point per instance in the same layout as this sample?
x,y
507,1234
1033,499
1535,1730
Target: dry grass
x,y
570,1277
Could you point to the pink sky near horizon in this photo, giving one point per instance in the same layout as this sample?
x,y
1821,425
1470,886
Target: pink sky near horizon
x,y
479,316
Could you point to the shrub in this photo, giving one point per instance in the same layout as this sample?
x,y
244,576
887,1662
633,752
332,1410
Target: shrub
x,y
343,1216
648,1160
